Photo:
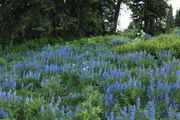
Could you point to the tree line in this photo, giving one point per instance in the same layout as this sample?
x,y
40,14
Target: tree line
x,y
22,20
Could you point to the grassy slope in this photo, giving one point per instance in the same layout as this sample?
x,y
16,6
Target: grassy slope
x,y
87,79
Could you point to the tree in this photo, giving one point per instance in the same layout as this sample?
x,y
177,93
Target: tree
x,y
169,19
149,14
111,10
177,18
21,20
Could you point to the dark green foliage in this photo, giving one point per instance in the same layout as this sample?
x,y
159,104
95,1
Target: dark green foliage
x,y
149,14
22,20
177,19
163,42
169,19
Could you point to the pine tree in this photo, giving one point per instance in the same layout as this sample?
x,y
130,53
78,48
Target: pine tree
x,y
177,18
169,19
149,14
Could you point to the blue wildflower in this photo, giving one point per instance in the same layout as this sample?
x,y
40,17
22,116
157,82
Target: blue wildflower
x,y
146,113
138,102
170,113
116,40
166,99
152,113
62,111
178,33
112,116
3,114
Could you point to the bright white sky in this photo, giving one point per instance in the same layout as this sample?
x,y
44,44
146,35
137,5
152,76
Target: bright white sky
x,y
124,18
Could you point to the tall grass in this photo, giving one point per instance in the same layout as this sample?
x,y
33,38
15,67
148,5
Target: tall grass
x,y
162,42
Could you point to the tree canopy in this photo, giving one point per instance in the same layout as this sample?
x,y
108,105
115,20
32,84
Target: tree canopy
x,y
149,14
22,20
30,19
177,18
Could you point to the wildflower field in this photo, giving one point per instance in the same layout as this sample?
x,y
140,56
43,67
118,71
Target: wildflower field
x,y
98,78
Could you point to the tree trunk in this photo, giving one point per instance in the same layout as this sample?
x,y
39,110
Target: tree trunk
x,y
118,6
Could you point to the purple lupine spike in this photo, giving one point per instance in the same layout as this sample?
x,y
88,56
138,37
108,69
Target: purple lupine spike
x,y
149,91
111,98
50,106
160,96
150,103
124,112
22,85
52,100
105,116
112,116
146,113
28,86
53,111
27,100
138,102
170,113
132,112
3,114
59,100
70,113
62,111
174,103
152,113
166,99
67,108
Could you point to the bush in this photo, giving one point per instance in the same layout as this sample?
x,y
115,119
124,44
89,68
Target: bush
x,y
2,61
163,42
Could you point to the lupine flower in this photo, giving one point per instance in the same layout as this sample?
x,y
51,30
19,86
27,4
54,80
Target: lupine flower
x,y
146,113
118,40
105,116
111,98
27,100
78,107
152,113
28,86
53,111
160,96
132,112
178,33
124,112
62,111
138,102
170,113
166,99
3,114
112,116
174,103
22,85
148,36
70,113
52,100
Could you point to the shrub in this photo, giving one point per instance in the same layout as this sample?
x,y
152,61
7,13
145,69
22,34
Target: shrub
x,y
2,61
163,42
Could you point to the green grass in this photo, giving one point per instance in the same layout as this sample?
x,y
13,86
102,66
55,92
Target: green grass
x,y
162,42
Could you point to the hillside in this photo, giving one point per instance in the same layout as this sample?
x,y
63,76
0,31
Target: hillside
x,y
96,78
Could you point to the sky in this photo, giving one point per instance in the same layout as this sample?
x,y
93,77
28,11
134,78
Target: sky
x,y
125,18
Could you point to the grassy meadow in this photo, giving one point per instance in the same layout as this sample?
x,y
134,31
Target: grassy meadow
x,y
111,77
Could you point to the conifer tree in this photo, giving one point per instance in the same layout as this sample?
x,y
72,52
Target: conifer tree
x,y
177,18
169,19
